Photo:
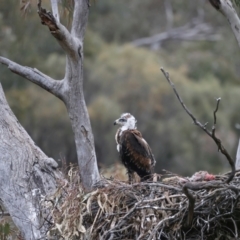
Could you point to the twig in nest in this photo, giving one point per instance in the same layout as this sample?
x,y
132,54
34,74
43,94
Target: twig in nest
x,y
191,204
221,148
197,186
203,127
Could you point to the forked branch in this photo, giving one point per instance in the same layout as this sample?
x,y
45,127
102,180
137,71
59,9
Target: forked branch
x,y
69,43
204,127
35,76
202,185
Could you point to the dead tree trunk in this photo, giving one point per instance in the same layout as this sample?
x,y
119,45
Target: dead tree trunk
x,y
69,89
26,174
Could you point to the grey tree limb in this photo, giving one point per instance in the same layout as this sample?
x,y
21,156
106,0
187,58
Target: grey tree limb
x,y
54,4
35,76
227,9
80,18
196,30
73,97
68,42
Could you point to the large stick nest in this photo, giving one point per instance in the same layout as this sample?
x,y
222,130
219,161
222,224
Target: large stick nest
x,y
172,208
154,210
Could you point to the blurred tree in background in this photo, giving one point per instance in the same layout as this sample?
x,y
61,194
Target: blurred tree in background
x,y
122,78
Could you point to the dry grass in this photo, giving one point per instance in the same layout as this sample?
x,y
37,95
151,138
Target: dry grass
x,y
156,210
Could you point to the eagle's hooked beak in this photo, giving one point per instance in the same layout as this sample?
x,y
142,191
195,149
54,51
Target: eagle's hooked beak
x,y
115,123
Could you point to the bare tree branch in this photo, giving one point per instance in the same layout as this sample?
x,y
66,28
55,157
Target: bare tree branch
x,y
203,185
69,44
55,11
227,9
35,76
193,31
203,127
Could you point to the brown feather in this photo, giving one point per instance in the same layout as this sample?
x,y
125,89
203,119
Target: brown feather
x,y
135,153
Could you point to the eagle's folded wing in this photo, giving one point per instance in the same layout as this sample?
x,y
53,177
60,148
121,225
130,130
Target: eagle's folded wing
x,y
145,145
136,153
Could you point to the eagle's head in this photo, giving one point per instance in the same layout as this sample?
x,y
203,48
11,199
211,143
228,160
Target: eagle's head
x,y
127,121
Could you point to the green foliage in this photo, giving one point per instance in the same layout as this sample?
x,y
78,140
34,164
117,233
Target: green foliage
x,y
5,231
237,2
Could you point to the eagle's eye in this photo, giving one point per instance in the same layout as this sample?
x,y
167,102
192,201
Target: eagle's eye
x,y
122,120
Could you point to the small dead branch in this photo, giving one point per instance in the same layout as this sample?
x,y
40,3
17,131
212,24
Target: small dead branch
x,y
195,30
204,127
194,186
25,6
